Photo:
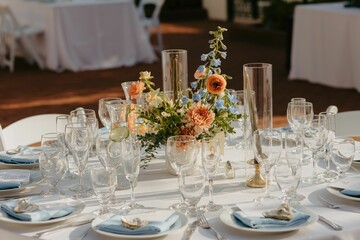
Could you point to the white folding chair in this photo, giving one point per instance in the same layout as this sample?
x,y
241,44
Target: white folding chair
x,y
2,142
28,130
153,21
348,123
15,37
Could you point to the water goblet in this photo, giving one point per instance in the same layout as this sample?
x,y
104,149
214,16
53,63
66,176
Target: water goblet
x,y
104,113
103,182
52,168
329,175
210,159
287,176
267,146
78,138
315,138
181,151
131,163
192,188
342,154
52,144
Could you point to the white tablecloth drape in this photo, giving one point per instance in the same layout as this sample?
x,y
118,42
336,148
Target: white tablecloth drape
x,y
325,45
157,188
86,34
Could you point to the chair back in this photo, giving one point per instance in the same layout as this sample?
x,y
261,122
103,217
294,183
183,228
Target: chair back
x,y
29,130
348,123
156,11
2,142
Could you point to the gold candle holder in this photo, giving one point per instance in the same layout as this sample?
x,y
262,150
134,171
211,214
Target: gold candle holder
x,y
257,180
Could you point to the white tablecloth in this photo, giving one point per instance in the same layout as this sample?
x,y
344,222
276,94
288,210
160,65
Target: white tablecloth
x,y
325,45
157,188
86,34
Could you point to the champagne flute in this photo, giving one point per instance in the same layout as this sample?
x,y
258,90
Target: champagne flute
x,y
103,182
210,158
78,138
104,113
267,146
131,162
315,138
181,151
342,153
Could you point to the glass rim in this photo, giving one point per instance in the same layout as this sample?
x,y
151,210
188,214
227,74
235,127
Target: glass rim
x,y
257,65
187,138
175,50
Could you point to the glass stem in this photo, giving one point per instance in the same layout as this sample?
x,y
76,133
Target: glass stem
x,y
314,173
327,158
211,190
81,180
267,184
132,193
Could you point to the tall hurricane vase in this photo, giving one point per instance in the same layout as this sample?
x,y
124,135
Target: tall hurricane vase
x,y
258,108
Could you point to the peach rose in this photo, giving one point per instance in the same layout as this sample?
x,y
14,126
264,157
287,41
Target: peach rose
x,y
200,117
215,84
135,90
199,75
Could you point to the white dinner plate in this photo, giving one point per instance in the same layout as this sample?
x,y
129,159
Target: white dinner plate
x,y
228,219
19,165
350,182
35,177
180,223
77,205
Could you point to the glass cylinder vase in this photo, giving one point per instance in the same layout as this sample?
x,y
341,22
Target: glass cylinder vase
x,y
175,71
258,109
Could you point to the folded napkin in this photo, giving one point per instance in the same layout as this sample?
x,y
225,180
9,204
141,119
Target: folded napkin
x,y
351,192
44,213
158,222
262,222
9,185
17,159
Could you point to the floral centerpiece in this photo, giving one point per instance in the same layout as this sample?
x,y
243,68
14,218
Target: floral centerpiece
x,y
206,109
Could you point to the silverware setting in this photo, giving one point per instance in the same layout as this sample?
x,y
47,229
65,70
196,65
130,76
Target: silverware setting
x,y
330,223
203,222
339,206
190,230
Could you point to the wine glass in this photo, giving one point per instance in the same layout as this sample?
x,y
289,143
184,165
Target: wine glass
x,y
104,113
61,122
78,138
131,163
52,168
328,174
192,188
287,176
342,154
103,182
315,138
181,151
267,146
210,159
52,144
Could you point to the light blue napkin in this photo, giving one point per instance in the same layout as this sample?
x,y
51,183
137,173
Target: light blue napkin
x,y
113,225
262,222
351,193
27,155
44,213
9,185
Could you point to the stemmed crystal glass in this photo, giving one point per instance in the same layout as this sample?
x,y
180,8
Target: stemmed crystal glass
x,y
315,137
192,188
61,122
79,139
287,176
52,168
181,151
131,163
328,174
210,159
342,153
267,146
104,113
103,182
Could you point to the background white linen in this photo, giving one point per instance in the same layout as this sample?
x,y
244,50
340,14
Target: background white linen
x,y
87,34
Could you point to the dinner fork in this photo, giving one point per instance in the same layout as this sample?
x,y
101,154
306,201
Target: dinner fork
x,y
203,222
339,206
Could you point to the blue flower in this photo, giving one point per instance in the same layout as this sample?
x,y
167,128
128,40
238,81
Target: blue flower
x,y
233,110
223,55
210,73
201,68
215,62
204,57
211,53
202,92
184,100
219,104
193,85
232,98
196,97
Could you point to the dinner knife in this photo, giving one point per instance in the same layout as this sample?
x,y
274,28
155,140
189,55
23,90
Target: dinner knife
x,y
190,230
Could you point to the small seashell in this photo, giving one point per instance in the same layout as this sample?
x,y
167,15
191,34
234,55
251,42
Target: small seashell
x,y
229,170
283,212
133,223
24,207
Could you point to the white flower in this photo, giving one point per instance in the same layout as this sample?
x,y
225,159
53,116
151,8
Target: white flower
x,y
153,98
165,114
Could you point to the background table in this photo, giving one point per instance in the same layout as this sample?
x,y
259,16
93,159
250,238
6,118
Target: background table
x,y
325,45
157,188
86,34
